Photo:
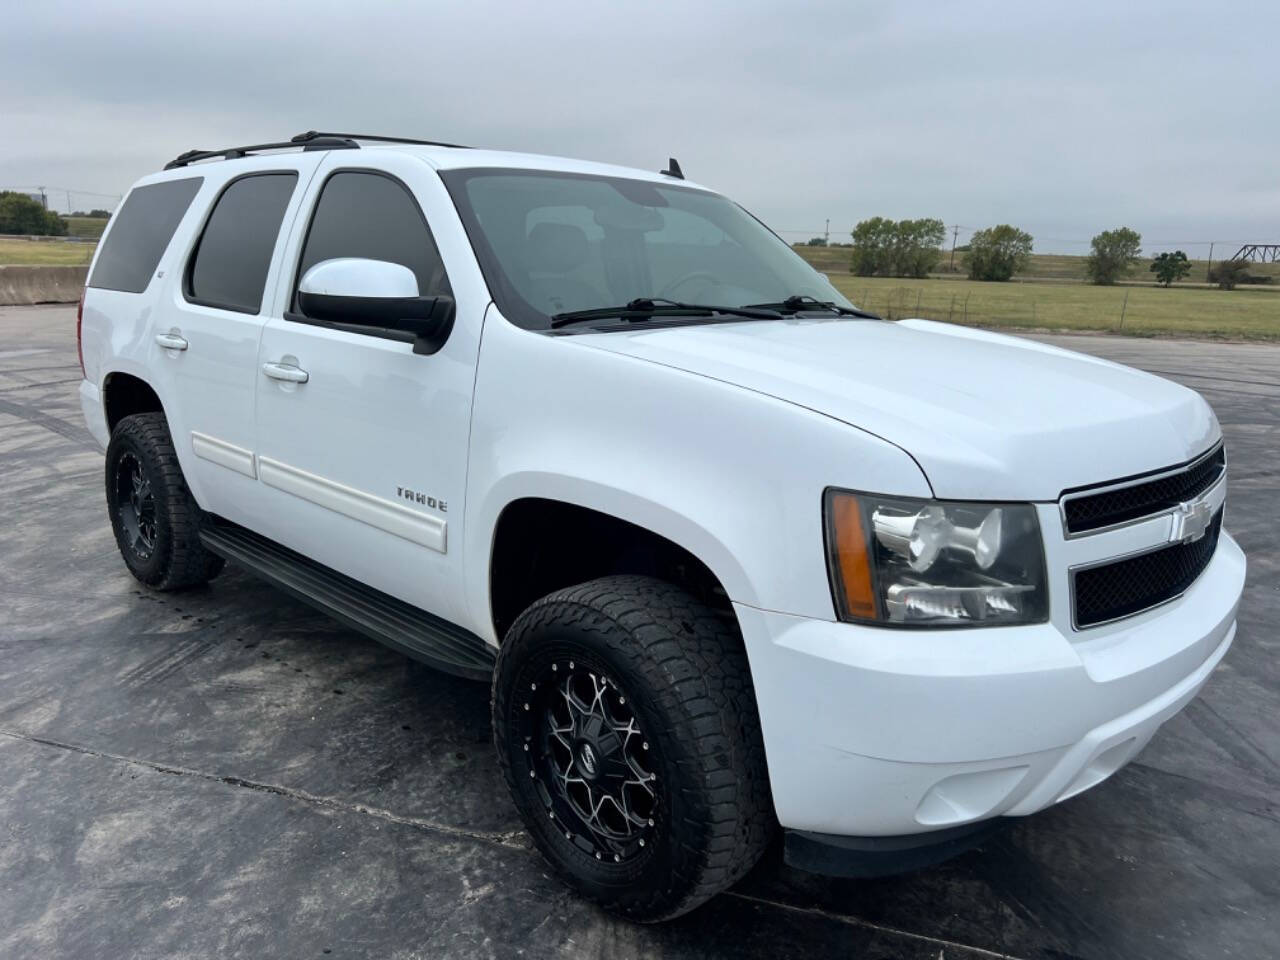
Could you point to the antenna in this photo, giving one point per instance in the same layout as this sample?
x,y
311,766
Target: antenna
x,y
673,169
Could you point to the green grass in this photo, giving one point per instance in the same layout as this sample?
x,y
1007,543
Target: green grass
x,y
48,253
1051,295
1147,311
90,227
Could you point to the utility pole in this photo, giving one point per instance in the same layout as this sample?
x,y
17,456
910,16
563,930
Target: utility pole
x,y
826,234
955,232
1208,272
44,199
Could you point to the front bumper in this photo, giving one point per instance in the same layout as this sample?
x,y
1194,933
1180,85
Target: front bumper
x,y
873,732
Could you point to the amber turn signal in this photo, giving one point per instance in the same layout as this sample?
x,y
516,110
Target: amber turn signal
x,y
849,557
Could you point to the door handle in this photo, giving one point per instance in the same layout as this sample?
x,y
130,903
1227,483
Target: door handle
x,y
171,340
286,372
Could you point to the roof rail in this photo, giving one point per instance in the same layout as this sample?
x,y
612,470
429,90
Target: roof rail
x,y
235,153
311,140
311,134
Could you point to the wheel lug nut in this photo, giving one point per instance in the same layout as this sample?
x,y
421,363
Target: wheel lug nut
x,y
570,664
526,706
533,775
650,824
568,835
553,668
622,699
526,748
616,858
597,854
533,686
645,745
642,841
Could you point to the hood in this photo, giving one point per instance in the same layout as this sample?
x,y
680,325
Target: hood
x,y
986,416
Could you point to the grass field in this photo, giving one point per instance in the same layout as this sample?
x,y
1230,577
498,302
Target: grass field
x,y
1139,311
1050,296
47,253
90,227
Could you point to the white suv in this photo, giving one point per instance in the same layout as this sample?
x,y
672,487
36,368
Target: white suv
x,y
733,553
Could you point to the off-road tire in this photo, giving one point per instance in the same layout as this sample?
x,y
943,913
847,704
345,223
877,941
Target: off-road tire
x,y
177,559
685,675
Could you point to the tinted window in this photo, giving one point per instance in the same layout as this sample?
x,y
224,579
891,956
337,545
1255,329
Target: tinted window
x,y
229,266
372,216
139,233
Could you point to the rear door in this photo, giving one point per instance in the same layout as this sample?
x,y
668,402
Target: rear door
x,y
206,336
365,461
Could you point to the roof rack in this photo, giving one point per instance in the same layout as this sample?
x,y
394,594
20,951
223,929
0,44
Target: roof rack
x,y
311,140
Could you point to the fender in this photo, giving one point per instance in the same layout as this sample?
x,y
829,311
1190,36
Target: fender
x,y
733,476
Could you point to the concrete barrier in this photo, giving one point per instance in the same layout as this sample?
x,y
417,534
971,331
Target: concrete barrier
x,y
23,285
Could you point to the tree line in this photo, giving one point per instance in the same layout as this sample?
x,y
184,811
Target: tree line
x,y
913,248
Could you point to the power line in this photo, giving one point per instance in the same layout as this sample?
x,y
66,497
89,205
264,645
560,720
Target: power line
x,y
86,193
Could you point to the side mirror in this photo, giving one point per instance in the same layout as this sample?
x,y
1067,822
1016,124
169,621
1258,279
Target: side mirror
x,y
374,293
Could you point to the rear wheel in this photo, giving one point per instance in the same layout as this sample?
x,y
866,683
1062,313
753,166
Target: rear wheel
x,y
626,726
155,519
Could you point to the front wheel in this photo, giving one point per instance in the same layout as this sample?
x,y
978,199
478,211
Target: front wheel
x,y
626,726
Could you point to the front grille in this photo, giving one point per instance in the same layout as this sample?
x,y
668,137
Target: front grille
x,y
1092,511
1125,587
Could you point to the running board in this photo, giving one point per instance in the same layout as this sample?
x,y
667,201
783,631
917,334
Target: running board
x,y
397,624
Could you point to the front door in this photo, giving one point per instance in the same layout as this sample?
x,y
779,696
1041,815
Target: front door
x,y
362,444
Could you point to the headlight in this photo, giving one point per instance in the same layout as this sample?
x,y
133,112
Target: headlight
x,y
939,563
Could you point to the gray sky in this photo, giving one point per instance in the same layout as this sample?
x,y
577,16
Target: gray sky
x,y
1062,119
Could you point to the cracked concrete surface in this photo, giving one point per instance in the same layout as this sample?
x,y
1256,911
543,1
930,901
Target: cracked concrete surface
x,y
225,773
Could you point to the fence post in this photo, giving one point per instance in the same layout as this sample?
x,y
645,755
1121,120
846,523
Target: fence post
x,y
966,308
919,290
1123,307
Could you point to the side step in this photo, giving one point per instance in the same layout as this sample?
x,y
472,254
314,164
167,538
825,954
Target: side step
x,y
399,625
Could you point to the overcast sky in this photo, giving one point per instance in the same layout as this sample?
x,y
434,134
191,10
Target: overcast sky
x,y
1063,119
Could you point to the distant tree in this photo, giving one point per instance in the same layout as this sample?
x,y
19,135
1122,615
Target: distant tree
x,y
20,214
99,214
997,253
873,247
905,248
918,247
817,242
1227,273
1171,267
1113,255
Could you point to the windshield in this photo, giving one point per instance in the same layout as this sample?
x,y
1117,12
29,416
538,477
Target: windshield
x,y
555,243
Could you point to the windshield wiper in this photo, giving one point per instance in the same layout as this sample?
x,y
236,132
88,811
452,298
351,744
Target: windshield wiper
x,y
645,308
805,302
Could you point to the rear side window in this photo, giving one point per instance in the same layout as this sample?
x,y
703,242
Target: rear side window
x,y
229,266
139,233
373,216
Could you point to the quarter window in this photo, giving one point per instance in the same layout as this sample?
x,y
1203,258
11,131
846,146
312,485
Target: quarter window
x,y
372,216
230,263
140,232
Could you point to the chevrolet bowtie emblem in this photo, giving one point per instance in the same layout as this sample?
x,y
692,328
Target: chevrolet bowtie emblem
x,y
1190,521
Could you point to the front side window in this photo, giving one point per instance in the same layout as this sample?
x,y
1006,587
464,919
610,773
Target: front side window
x,y
374,217
229,266
553,243
140,232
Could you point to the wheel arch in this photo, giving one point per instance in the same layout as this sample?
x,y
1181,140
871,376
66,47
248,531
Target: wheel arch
x,y
542,542
124,394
